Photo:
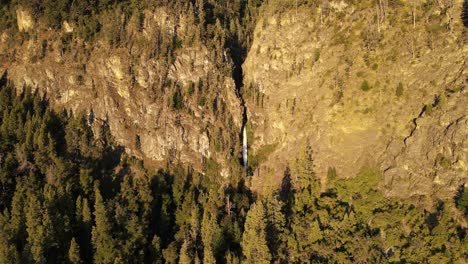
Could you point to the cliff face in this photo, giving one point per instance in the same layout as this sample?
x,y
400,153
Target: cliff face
x,y
177,106
364,86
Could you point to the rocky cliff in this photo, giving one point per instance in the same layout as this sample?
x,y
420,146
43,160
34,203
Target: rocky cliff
x,y
364,85
161,105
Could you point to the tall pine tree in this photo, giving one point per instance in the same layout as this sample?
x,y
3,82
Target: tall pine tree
x,y
103,242
254,244
74,252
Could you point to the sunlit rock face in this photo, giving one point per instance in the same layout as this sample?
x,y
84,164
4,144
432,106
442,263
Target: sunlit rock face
x,y
122,86
387,93
357,94
24,20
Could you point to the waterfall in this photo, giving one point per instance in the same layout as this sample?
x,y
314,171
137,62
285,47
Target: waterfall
x,y
244,146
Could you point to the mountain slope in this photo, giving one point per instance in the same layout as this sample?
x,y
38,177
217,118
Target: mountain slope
x,y
365,87
160,77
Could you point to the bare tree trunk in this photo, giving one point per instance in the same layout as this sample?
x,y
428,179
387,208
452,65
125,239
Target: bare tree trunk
x,y
321,17
382,9
296,9
450,22
378,18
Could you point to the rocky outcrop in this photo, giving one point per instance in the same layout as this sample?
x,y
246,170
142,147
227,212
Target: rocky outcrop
x,y
351,88
24,19
133,90
433,158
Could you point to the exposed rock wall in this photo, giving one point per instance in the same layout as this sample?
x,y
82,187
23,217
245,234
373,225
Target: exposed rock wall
x,y
332,77
365,86
133,90
24,19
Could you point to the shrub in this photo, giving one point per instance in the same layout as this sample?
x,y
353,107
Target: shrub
x,y
429,109
331,173
177,99
399,90
371,39
201,101
365,86
317,55
461,200
443,161
191,88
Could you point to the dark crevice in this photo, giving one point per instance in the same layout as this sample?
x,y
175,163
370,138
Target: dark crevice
x,y
238,76
453,123
415,125
437,101
238,54
237,46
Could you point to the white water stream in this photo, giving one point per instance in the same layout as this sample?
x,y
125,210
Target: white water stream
x,y
244,147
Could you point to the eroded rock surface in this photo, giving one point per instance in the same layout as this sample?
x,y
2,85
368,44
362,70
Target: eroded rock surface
x,y
133,90
330,78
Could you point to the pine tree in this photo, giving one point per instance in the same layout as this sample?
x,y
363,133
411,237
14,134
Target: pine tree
x,y
132,215
195,225
49,230
86,181
254,244
305,183
306,232
86,214
18,217
304,228
156,250
201,13
35,229
8,251
211,236
74,252
184,257
83,219
103,242
275,227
